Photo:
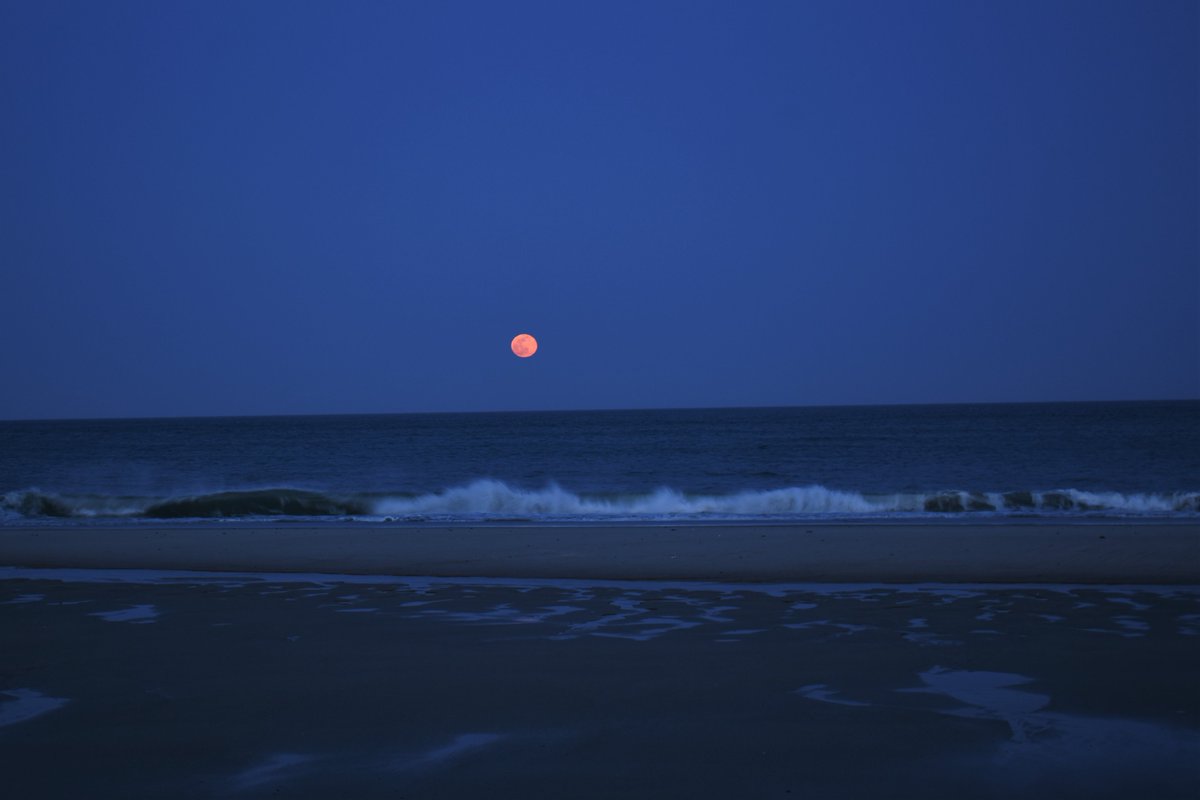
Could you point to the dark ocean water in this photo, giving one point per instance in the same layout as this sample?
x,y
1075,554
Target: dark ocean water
x,y
1063,460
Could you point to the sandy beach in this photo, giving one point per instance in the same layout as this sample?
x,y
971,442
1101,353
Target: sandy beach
x,y
759,662
1074,553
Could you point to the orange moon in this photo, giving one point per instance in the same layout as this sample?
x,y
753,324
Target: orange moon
x,y
524,345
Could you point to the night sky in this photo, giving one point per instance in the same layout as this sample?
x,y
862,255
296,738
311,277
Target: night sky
x,y
288,207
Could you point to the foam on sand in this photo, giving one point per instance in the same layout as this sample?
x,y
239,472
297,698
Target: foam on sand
x,y
987,695
26,704
139,615
281,766
460,746
1081,753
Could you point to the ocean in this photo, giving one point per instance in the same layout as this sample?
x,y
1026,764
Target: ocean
x,y
1004,462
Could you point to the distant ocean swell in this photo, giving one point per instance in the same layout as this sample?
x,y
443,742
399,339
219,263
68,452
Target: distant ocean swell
x,y
490,499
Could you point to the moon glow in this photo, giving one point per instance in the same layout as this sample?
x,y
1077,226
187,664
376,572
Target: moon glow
x,y
524,345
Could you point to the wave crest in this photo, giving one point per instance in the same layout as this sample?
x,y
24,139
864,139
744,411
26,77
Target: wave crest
x,y
494,499
497,497
259,503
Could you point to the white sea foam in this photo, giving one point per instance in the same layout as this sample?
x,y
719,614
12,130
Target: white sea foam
x,y
497,497
489,498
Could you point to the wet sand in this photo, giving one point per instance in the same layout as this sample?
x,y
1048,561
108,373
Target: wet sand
x,y
149,685
717,662
1090,553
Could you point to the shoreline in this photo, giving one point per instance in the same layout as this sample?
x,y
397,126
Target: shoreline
x,y
1101,553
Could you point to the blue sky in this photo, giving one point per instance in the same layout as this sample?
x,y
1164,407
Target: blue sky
x,y
269,208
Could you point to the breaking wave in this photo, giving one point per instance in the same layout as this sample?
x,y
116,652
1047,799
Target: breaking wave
x,y
496,500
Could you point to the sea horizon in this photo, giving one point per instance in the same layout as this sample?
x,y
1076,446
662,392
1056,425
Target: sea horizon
x,y
615,409
1000,461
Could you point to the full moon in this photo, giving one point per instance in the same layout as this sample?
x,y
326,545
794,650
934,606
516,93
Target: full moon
x,y
524,345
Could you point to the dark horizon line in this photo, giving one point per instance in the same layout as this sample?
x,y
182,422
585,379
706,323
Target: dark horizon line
x,y
182,417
